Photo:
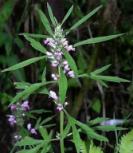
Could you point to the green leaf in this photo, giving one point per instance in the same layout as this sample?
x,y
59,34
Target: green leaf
x,y
97,40
6,11
108,78
62,85
47,120
76,138
45,21
97,120
23,64
36,44
66,130
44,133
89,131
39,111
47,139
108,128
71,62
28,91
52,18
43,78
67,15
21,85
126,144
96,105
94,149
34,35
85,18
33,150
28,141
84,148
100,70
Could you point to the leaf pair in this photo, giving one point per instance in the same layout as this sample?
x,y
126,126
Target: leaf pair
x,y
96,75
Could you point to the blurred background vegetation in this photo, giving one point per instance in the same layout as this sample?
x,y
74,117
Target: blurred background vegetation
x,y
91,100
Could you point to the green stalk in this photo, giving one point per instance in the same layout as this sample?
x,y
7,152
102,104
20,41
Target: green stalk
x,y
61,131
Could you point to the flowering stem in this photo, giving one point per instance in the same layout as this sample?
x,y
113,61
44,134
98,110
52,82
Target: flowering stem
x,y
61,131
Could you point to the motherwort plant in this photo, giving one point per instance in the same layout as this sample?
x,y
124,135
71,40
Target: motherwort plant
x,y
56,49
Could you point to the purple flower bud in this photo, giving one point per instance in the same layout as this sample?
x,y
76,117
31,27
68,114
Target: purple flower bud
x,y
33,131
25,105
12,120
54,77
13,107
46,41
54,63
70,48
49,53
58,55
30,129
64,42
66,68
29,126
71,74
65,63
59,107
53,95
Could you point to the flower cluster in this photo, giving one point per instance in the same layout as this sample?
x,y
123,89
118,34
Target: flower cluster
x,y
56,45
54,96
18,111
18,114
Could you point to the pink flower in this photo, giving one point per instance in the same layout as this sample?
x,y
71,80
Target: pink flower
x,y
71,74
30,129
53,95
54,77
12,120
70,48
54,63
33,131
13,107
59,107
25,105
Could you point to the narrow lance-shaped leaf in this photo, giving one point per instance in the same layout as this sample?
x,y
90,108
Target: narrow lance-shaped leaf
x,y
36,44
75,133
62,86
67,15
85,18
43,78
24,63
89,131
45,21
71,62
108,128
33,150
76,138
28,91
96,40
52,18
100,70
66,130
27,141
108,78
33,35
